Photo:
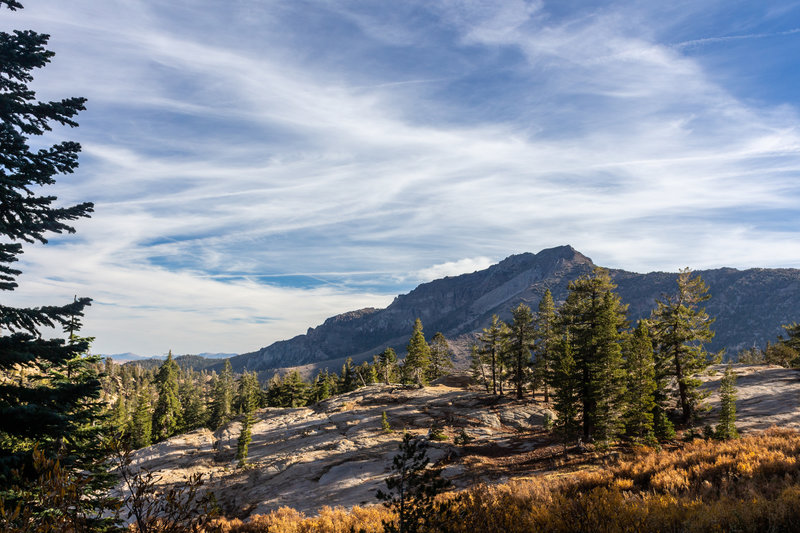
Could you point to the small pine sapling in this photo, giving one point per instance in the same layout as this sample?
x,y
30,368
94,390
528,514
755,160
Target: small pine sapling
x,y
385,426
726,429
412,489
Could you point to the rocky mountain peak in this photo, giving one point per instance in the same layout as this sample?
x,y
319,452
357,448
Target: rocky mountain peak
x,y
750,306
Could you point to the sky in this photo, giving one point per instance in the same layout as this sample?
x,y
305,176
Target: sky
x,y
258,166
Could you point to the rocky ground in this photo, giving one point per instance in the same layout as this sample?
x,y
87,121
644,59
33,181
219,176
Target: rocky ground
x,y
336,452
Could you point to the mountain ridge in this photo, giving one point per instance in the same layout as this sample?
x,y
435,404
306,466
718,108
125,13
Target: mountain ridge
x,y
750,306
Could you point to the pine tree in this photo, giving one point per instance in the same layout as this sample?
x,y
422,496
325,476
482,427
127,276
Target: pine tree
x,y
167,414
348,381
36,406
365,374
388,365
245,438
247,401
119,414
412,489
322,387
222,398
295,390
787,351
565,380
418,357
547,341
191,396
493,346
595,318
247,393
641,385
519,339
441,357
726,429
141,430
476,368
609,372
681,328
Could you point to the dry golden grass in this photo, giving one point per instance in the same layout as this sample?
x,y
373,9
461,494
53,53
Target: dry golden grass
x,y
752,484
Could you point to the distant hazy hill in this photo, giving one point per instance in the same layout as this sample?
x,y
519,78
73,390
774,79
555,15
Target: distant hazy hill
x,y
750,306
196,362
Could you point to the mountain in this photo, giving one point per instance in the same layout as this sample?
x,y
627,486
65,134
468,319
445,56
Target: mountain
x,y
749,305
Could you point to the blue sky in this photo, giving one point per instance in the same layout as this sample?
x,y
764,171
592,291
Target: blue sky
x,y
258,166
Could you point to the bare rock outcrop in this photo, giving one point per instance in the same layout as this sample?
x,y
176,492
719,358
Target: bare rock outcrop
x,y
336,453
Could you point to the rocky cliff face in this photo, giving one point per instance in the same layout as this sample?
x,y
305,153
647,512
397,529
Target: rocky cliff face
x,y
749,306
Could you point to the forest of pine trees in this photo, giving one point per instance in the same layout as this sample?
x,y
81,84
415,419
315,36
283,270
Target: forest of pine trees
x,y
150,405
606,379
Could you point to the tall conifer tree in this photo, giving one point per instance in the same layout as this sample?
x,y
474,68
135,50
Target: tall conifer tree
x,y
492,347
595,318
477,368
641,384
167,413
441,357
418,357
519,341
36,405
141,430
726,429
222,398
387,362
681,328
247,401
565,380
547,341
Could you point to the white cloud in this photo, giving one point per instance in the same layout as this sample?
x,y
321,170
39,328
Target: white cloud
x,y
454,268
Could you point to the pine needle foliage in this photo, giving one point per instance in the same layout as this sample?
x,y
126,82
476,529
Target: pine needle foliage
x,y
441,357
595,318
167,413
641,385
547,341
726,429
492,348
681,328
41,398
412,488
418,357
520,337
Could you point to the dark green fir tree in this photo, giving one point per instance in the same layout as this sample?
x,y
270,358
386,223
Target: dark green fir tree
x,y
595,318
167,413
492,348
641,384
141,428
418,357
547,342
222,398
49,389
681,328
565,382
519,342
247,401
387,366
441,357
726,429
477,368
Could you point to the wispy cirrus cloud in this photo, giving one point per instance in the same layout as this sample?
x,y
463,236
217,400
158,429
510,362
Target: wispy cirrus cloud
x,y
296,160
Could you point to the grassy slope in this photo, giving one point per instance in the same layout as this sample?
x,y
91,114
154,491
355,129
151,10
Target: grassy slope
x,y
752,484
